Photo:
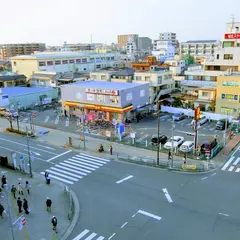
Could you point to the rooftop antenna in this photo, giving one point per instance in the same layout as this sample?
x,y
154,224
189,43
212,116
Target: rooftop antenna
x,y
233,21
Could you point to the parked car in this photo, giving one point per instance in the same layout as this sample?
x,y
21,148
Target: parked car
x,y
203,119
208,146
178,116
177,141
187,146
221,124
162,139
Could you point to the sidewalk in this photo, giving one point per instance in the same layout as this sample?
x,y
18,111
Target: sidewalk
x,y
38,221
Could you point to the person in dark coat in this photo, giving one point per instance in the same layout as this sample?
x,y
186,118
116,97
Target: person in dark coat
x,y
54,223
25,205
4,181
110,149
19,203
1,210
13,191
169,155
48,204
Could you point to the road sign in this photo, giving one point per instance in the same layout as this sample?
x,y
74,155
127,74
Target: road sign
x,y
133,135
207,152
21,221
197,113
108,133
21,157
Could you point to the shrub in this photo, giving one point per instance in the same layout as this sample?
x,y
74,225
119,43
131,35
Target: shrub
x,y
18,131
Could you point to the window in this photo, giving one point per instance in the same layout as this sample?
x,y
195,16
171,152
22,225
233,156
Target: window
x,y
14,63
84,69
129,96
41,64
108,58
114,99
98,66
112,58
92,59
142,92
228,56
78,61
147,79
57,62
103,77
90,97
64,61
217,56
84,60
238,44
166,77
103,58
49,63
94,76
101,98
139,78
205,94
159,79
71,61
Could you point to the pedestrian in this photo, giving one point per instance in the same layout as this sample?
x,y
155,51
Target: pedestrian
x,y
19,203
4,181
2,210
25,206
49,204
169,155
13,191
20,189
54,223
28,186
110,149
48,179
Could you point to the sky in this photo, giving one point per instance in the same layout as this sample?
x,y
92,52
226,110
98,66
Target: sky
x,y
74,21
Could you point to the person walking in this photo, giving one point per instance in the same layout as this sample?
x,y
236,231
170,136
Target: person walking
x,y
48,204
19,203
4,181
25,206
169,155
20,189
54,223
110,149
13,191
28,186
2,210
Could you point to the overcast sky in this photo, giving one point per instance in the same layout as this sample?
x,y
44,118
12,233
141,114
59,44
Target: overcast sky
x,y
56,21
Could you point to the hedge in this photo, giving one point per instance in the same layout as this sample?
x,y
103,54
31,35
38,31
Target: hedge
x,y
18,131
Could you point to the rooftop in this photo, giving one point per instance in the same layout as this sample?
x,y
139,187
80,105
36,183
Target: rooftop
x,y
13,91
104,85
201,41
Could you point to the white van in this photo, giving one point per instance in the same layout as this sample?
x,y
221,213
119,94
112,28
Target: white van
x,y
187,146
203,119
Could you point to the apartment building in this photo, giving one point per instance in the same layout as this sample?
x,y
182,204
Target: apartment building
x,y
169,37
144,43
199,48
10,50
63,62
123,39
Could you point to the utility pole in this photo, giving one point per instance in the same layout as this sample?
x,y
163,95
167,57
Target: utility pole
x,y
197,112
9,210
84,142
158,129
29,154
172,141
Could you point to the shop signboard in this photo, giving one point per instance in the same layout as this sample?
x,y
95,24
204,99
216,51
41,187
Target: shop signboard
x,y
232,36
111,92
108,133
230,84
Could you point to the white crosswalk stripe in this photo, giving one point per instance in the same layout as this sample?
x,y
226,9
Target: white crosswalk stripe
x,y
86,233
231,166
75,168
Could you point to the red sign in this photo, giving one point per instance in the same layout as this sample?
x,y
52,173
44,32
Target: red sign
x,y
207,152
232,36
197,112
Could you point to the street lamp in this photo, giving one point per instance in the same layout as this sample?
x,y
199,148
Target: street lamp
x,y
29,154
158,149
173,126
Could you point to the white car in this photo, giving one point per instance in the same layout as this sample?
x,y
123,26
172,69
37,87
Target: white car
x,y
177,141
187,146
203,119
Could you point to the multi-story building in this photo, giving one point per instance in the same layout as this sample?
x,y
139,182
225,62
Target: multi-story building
x,y
160,82
63,62
131,47
11,50
199,48
123,39
169,37
9,79
163,50
104,100
176,65
144,43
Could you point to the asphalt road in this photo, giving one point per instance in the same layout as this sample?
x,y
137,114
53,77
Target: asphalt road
x,y
144,129
125,201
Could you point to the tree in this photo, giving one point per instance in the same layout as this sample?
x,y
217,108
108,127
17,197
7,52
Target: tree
x,y
189,59
177,102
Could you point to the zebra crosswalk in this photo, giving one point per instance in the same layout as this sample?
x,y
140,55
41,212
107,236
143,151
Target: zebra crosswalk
x,y
89,236
75,168
232,165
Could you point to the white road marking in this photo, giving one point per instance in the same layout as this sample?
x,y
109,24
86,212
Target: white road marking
x,y
224,214
111,236
106,160
82,234
149,215
231,168
227,163
58,155
167,195
124,179
24,145
213,174
57,120
58,178
124,224
211,129
204,178
35,153
100,238
238,170
236,162
69,169
91,159
91,236
69,163
142,138
88,161
66,164
46,119
82,165
61,175
67,123
65,172
46,147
